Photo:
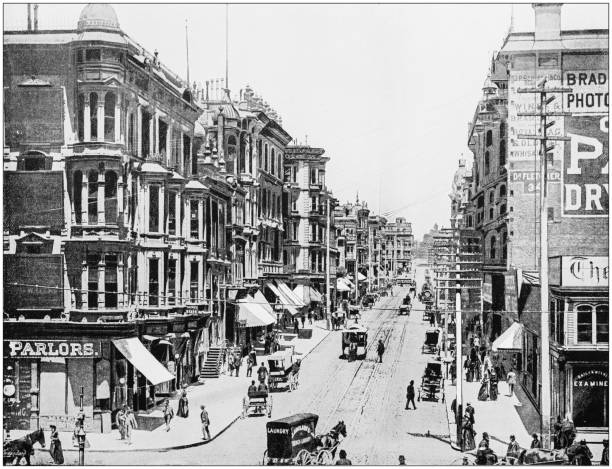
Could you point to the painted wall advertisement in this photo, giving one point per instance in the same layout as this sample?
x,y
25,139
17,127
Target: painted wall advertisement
x,y
585,167
522,149
589,92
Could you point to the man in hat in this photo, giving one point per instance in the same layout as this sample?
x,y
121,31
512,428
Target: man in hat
x,y
604,454
514,450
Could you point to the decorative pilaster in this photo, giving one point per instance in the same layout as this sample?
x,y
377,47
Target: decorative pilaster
x,y
84,198
87,119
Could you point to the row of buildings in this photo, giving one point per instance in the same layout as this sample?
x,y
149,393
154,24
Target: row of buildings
x,y
497,196
149,224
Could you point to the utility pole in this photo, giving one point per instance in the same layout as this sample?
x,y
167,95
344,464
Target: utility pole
x,y
327,266
543,138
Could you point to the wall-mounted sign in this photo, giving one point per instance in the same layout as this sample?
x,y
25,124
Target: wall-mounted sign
x,y
531,179
51,348
585,167
591,379
584,271
589,91
157,329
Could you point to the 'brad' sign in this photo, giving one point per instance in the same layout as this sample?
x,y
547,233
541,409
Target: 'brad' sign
x,y
51,348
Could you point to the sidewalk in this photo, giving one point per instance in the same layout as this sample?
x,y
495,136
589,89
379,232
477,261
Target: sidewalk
x,y
223,400
506,416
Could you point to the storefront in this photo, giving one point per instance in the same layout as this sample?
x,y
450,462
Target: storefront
x,y
589,394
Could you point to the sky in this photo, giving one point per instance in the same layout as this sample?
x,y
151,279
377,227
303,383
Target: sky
x,y
388,90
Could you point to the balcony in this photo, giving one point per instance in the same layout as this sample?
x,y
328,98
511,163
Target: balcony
x,y
289,269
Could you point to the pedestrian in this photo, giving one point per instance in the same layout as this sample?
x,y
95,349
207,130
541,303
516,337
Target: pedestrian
x,y
511,380
467,432
582,455
493,391
262,373
604,454
249,372
557,433
432,318
514,450
454,408
230,363
130,424
79,422
467,366
183,404
487,366
343,461
205,423
296,326
410,395
120,422
55,448
310,317
380,349
303,319
483,392
470,410
535,442
237,364
568,431
253,355
476,342
402,460
168,413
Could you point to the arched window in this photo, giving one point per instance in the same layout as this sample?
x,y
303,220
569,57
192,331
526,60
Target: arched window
x,y
492,247
109,117
77,187
489,140
601,323
273,161
110,197
492,197
81,117
502,153
266,157
231,147
504,245
92,198
242,160
93,115
259,154
487,163
502,191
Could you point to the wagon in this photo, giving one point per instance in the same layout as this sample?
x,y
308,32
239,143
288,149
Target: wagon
x,y
431,342
284,370
260,401
432,383
358,336
292,440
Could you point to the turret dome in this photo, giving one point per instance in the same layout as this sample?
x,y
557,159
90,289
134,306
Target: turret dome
x,y
98,16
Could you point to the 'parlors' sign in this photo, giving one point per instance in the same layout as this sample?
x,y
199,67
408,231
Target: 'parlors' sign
x,y
51,348
584,271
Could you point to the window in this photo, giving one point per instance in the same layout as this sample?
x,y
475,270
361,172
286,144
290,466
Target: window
x,y
171,293
92,200
93,115
153,282
491,197
81,117
77,187
266,157
92,55
502,154
313,176
110,281
110,198
502,191
487,163
502,130
93,261
560,319
231,148
584,316
601,319
187,156
172,213
154,209
491,213
194,225
489,139
492,247
273,162
259,154
109,116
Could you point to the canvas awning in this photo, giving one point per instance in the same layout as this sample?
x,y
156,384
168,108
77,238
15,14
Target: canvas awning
x,y
289,293
307,294
137,354
511,339
260,299
254,314
286,303
341,285
361,277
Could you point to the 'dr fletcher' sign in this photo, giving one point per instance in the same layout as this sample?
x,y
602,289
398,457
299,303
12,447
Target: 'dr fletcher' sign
x,y
51,348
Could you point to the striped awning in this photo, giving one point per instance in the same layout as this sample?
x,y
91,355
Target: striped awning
x,y
254,314
282,286
511,339
286,302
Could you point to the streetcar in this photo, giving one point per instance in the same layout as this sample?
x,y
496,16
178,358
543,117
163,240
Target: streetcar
x,y
355,339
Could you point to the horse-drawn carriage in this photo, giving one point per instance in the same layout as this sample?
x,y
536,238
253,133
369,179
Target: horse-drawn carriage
x,y
431,342
525,457
368,301
261,401
426,295
406,306
293,441
14,450
284,370
432,383
354,341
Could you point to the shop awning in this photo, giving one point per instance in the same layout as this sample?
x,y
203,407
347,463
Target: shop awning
x,y
341,285
361,277
511,339
348,282
143,361
282,297
307,294
260,299
289,294
254,314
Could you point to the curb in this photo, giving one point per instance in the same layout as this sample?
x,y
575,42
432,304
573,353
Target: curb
x,y
177,447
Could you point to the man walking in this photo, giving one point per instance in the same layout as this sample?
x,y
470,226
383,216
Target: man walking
x,y
381,350
511,379
343,461
249,372
237,363
205,423
410,395
130,424
262,373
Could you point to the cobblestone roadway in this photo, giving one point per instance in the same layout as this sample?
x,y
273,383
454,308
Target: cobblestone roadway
x,y
368,396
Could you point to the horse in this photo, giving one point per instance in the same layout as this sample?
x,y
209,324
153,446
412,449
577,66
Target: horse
x,y
538,455
332,438
14,450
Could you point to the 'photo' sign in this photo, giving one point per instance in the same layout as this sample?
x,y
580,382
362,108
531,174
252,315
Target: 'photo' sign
x,y
589,92
585,167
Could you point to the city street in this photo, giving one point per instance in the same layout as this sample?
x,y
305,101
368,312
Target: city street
x,y
368,396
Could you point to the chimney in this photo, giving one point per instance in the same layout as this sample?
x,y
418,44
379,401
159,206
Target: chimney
x,y
29,17
36,17
547,21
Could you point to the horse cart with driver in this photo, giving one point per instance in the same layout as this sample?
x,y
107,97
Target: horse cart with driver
x,y
14,450
293,441
284,370
259,401
431,342
354,342
406,306
432,383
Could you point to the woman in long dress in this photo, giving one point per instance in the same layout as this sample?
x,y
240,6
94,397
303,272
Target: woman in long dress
x,y
493,386
183,404
55,448
467,434
483,393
